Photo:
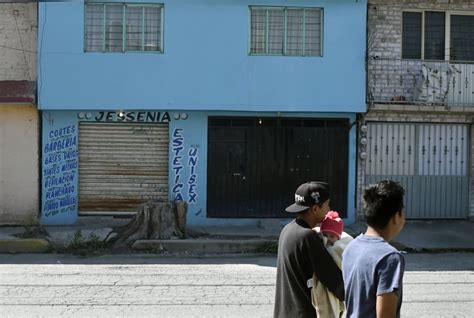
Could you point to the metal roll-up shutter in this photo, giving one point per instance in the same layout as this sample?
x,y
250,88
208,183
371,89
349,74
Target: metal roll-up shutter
x,y
121,165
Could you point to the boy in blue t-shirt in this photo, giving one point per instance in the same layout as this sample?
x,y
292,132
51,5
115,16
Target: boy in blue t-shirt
x,y
372,269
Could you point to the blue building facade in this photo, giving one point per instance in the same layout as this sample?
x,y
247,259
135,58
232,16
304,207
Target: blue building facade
x,y
208,102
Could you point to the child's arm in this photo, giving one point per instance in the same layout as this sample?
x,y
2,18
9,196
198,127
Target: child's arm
x,y
338,247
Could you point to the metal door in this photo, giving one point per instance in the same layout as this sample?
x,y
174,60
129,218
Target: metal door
x,y
461,84
121,165
255,164
429,160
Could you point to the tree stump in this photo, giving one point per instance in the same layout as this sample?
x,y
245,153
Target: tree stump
x,y
154,220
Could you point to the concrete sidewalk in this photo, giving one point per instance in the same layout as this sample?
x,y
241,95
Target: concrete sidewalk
x,y
430,236
437,236
417,236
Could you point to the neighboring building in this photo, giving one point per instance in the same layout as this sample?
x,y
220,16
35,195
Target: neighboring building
x,y
418,128
19,126
228,105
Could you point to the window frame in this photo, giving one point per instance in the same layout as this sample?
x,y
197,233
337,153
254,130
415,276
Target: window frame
x,y
447,32
284,53
124,33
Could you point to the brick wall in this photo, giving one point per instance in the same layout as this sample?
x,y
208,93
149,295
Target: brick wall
x,y
18,33
385,22
392,79
389,77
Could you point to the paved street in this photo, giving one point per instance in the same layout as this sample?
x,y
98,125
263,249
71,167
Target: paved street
x,y
436,285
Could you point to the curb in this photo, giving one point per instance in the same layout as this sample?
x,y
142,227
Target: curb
x,y
440,250
413,249
207,246
23,246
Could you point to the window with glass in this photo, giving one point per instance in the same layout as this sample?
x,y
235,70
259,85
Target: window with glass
x,y
286,31
411,35
424,36
120,27
462,38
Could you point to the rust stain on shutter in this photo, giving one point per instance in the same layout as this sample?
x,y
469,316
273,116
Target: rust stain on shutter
x,y
122,165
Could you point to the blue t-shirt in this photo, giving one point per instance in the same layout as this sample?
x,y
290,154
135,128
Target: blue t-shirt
x,y
370,267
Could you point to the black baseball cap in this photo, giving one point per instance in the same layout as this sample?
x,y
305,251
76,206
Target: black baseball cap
x,y
309,194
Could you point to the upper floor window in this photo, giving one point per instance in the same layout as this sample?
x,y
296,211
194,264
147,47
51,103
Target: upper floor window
x,y
462,38
286,31
119,27
424,36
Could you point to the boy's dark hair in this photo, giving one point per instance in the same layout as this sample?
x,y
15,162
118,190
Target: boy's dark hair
x,y
381,202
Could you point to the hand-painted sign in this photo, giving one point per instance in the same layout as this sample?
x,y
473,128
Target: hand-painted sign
x,y
60,171
177,150
177,166
141,117
192,164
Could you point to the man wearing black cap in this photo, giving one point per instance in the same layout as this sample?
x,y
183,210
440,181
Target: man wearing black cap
x,y
301,253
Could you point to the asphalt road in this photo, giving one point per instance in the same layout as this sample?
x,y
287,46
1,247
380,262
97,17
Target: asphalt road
x,y
436,285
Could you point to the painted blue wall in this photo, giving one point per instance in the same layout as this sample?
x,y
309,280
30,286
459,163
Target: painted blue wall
x,y
205,65
59,168
187,163
194,132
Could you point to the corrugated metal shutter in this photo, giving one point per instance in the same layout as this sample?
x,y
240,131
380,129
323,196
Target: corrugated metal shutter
x,y
429,160
121,165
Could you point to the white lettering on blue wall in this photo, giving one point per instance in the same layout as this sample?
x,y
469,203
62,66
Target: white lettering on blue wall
x,y
192,164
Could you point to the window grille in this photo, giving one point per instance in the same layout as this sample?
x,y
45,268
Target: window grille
x,y
120,27
424,36
462,38
434,35
286,31
411,35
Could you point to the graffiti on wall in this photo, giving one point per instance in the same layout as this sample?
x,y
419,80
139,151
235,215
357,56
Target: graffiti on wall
x,y
178,187
60,171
